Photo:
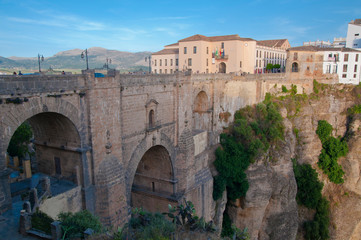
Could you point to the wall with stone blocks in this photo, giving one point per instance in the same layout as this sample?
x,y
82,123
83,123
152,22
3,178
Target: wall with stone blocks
x,y
112,122
69,201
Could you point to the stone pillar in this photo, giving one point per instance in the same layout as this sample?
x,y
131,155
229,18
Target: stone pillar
x,y
27,207
27,168
34,201
47,185
16,161
56,232
25,222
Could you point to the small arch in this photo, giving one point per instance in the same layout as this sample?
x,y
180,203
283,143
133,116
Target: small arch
x,y
222,67
201,102
294,67
201,113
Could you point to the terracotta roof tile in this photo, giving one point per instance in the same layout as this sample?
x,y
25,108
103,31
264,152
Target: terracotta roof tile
x,y
167,51
172,45
272,43
319,49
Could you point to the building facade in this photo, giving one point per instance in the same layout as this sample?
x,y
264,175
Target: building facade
x,y
353,39
271,51
310,61
219,54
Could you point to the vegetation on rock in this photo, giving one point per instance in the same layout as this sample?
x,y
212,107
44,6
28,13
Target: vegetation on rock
x,y
308,186
332,149
253,131
309,194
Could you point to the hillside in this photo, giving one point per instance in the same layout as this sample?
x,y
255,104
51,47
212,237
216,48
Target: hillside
x,y
71,60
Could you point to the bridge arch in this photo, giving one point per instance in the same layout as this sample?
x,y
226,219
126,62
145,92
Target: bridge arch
x,y
15,114
55,124
152,170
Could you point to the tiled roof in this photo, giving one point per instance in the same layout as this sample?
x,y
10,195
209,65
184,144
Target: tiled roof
x,y
356,21
167,51
272,43
320,49
196,37
172,45
199,37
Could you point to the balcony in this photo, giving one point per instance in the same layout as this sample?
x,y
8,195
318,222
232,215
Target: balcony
x,y
332,59
224,57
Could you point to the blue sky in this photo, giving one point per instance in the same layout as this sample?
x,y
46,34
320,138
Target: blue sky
x,y
47,27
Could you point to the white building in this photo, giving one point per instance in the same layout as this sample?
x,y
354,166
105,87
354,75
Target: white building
x,y
345,62
353,39
318,43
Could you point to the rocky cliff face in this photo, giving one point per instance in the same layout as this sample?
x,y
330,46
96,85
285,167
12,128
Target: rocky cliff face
x,y
269,210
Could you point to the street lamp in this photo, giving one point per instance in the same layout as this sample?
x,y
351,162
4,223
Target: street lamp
x,y
108,61
86,57
149,58
40,58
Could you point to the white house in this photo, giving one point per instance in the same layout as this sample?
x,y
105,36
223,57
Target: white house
x,y
345,62
353,39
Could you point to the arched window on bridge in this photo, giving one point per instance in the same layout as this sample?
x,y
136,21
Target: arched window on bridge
x,y
151,119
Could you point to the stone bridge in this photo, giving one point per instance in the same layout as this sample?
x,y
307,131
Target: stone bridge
x,y
128,140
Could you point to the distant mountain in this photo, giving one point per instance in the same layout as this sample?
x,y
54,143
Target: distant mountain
x,y
71,60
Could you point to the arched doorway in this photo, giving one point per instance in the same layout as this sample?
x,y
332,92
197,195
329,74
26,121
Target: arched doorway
x,y
154,185
201,113
222,67
294,67
57,154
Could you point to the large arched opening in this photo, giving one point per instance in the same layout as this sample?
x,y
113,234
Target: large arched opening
x,y
54,154
154,185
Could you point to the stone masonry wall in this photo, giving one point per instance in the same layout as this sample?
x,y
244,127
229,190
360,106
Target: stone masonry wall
x,y
111,115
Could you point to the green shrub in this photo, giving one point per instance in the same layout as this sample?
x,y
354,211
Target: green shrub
x,y
74,225
284,89
332,149
318,227
308,186
227,230
41,221
354,110
293,89
316,86
146,225
324,130
19,140
309,194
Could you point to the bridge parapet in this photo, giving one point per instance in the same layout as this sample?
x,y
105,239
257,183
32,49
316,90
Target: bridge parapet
x,y
25,84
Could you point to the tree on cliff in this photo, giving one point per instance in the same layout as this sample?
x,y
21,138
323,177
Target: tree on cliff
x,y
20,140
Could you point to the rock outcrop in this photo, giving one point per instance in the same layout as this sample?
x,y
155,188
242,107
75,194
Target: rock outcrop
x,y
269,210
